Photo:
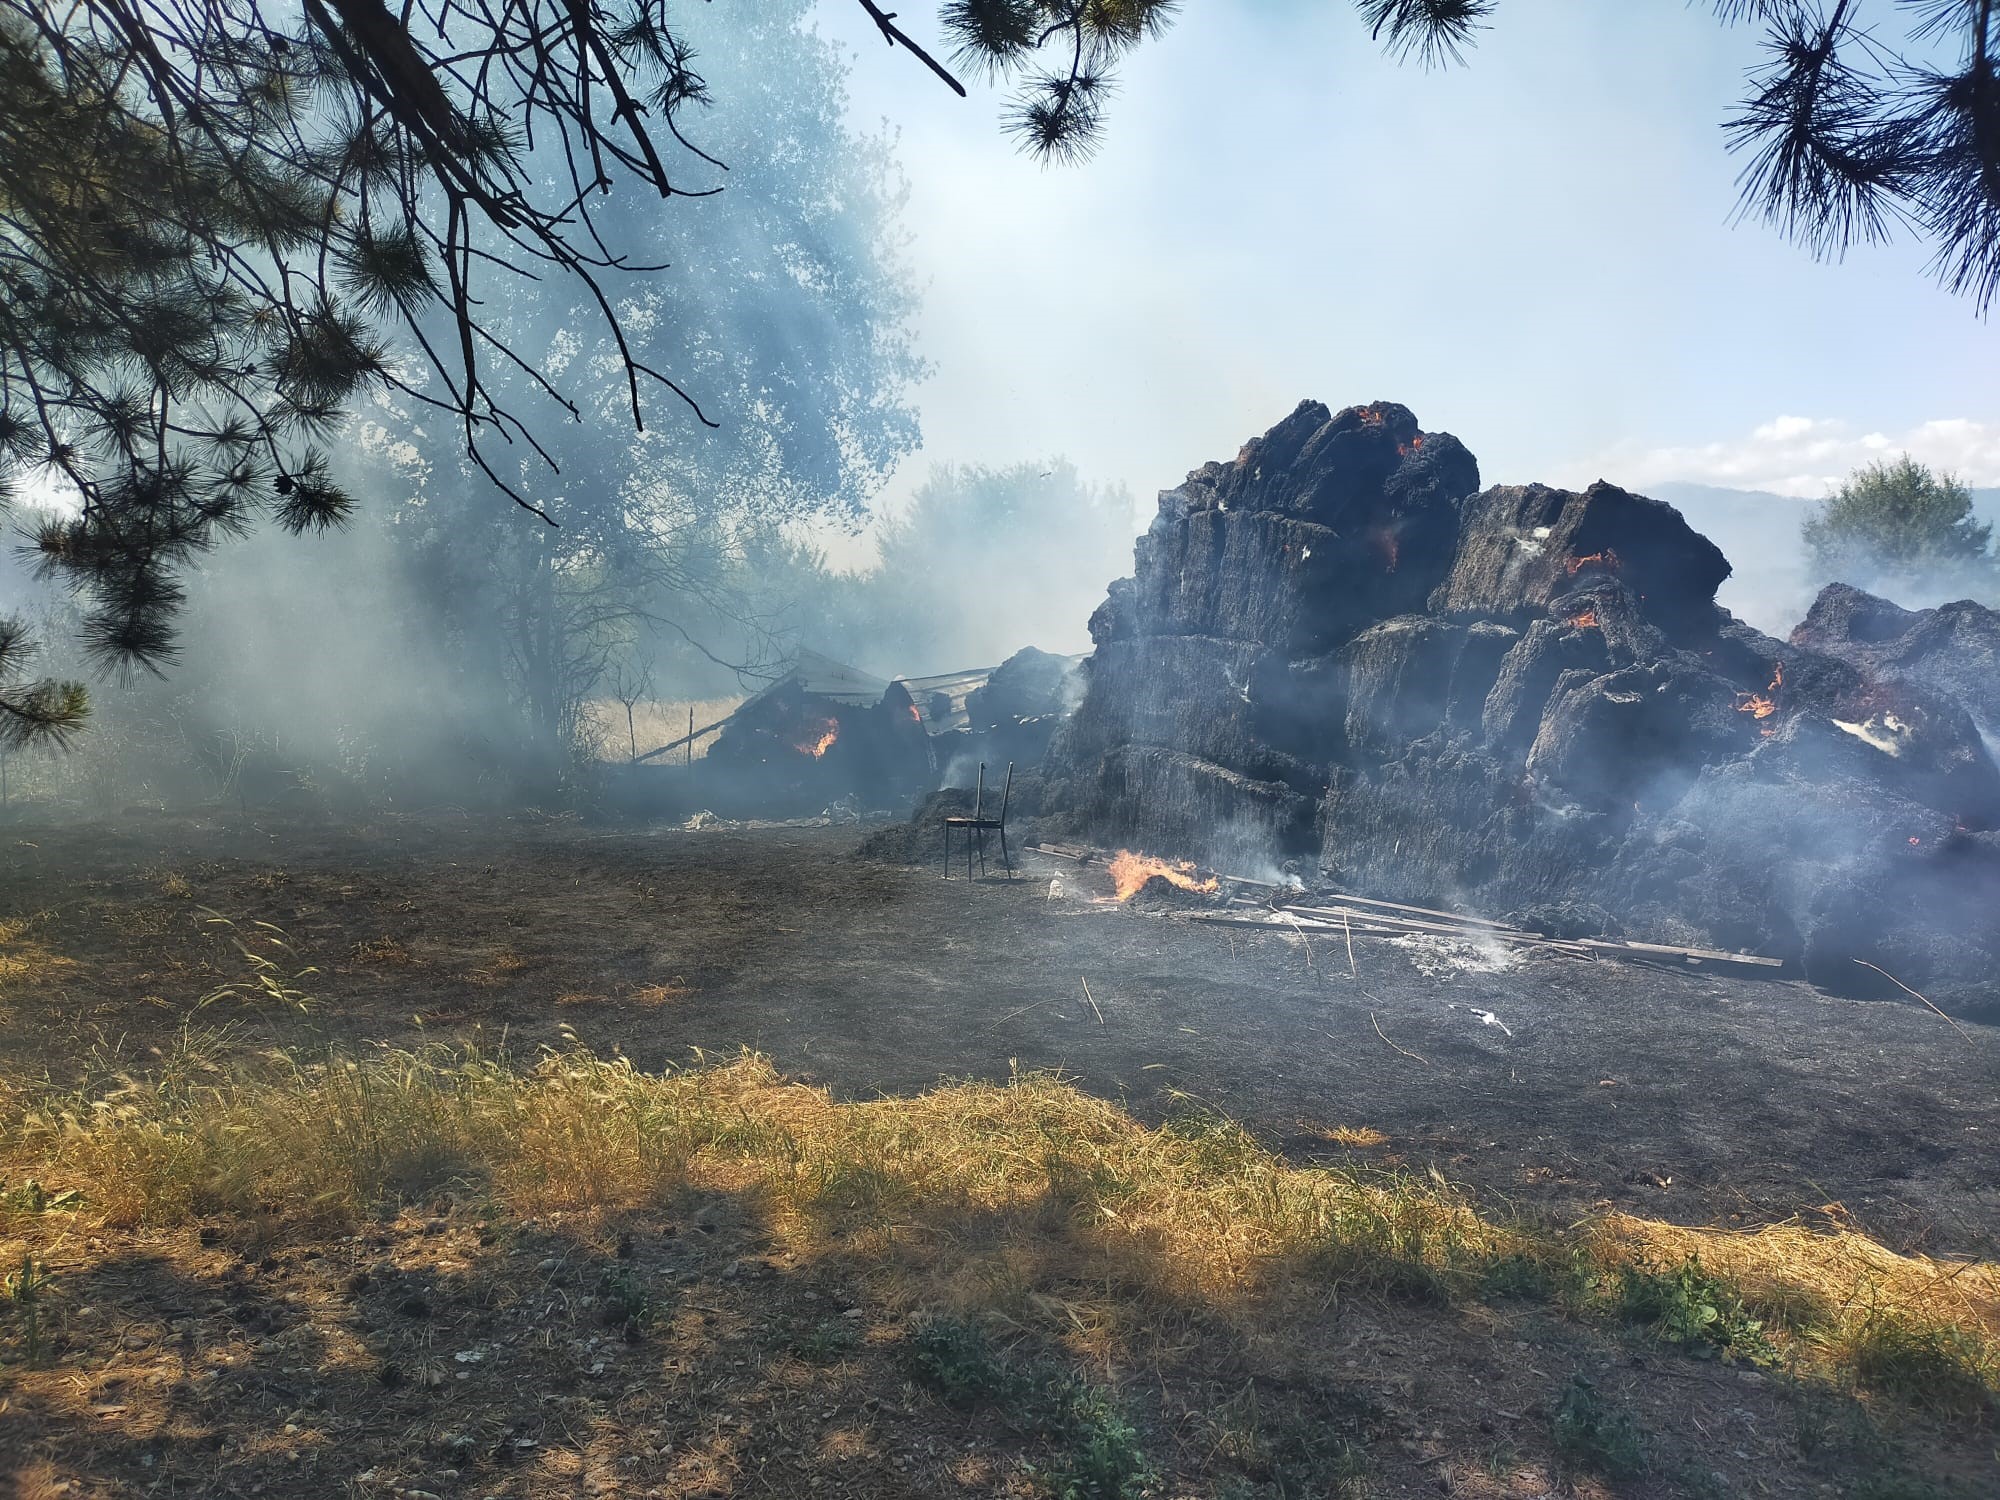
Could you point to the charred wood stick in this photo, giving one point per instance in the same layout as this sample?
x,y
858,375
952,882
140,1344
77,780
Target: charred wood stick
x,y
1663,950
1076,852
1413,924
1341,898
686,739
1379,926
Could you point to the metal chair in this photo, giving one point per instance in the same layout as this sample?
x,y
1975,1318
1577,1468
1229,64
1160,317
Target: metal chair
x,y
975,826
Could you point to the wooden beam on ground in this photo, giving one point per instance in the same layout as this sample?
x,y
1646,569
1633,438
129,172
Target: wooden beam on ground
x,y
686,739
1656,951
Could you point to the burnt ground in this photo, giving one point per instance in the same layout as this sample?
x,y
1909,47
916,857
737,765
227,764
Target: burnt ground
x,y
1684,1096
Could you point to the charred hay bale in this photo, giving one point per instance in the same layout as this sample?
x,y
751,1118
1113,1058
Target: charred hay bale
x,y
1511,716
1521,547
1155,799
1634,737
1900,739
1299,707
1317,465
1400,680
1821,873
1307,537
1117,618
1449,823
1953,649
1030,684
1184,692
1249,576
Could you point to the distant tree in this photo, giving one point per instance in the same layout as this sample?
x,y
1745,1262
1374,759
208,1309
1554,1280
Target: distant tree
x,y
1902,520
987,560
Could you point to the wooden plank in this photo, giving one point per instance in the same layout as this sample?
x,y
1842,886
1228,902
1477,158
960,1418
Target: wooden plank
x,y
686,739
1421,911
1413,924
1389,927
1664,950
1077,852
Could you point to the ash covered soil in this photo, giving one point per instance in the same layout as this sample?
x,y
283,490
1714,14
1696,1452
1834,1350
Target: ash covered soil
x,y
1686,1096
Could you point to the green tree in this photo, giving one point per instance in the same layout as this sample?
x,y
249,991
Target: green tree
x,y
790,300
1900,521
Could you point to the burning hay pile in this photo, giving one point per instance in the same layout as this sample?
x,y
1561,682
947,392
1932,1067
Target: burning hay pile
x,y
1335,648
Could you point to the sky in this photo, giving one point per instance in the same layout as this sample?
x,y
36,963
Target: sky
x,y
1535,252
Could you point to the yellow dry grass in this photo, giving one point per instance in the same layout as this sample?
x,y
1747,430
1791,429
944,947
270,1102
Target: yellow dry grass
x,y
24,960
655,722
1027,1200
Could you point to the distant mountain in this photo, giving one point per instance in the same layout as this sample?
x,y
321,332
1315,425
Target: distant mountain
x,y
1759,533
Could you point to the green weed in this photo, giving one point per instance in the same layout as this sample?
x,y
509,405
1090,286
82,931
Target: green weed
x,y
1688,1307
25,1291
957,1361
1100,1458
1590,1433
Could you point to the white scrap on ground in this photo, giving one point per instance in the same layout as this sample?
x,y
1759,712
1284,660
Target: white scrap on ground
x,y
1485,1017
1056,888
1437,957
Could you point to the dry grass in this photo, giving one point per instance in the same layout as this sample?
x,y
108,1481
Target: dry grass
x,y
502,965
385,952
660,994
26,961
1029,1200
1022,1247
654,722
1355,1137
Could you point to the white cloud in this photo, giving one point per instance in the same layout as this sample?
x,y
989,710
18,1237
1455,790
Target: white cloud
x,y
1808,457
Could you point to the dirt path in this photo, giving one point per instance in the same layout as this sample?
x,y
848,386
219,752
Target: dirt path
x,y
1681,1096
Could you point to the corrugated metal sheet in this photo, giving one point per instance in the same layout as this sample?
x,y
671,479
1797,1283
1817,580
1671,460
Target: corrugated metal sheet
x,y
941,700
831,679
827,678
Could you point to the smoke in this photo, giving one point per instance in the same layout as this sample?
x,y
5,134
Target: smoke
x,y
982,562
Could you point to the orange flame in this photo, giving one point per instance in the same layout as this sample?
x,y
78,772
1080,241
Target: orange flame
x,y
1605,559
1404,450
1130,871
1370,415
1585,621
919,718
829,731
1763,705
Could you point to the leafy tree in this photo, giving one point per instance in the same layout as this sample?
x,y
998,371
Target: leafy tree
x,y
790,302
1901,520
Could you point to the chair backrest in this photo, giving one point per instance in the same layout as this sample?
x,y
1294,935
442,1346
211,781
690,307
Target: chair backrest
x,y
979,796
1006,793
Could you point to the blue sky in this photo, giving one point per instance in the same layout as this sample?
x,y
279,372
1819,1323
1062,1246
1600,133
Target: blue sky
x,y
1534,252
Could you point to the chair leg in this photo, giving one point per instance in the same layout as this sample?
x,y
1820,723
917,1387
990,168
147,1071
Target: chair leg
x,y
947,851
982,852
1005,858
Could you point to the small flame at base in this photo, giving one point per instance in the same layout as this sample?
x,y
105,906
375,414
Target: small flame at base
x,y
818,744
1585,621
1130,872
